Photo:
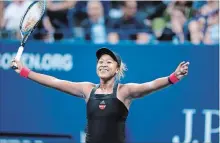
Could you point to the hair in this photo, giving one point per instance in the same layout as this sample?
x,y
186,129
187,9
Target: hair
x,y
121,73
94,1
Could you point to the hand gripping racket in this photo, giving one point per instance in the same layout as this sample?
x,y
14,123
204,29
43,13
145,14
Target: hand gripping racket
x,y
29,22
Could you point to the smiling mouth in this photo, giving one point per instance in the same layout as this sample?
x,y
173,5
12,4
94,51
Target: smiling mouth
x,y
103,70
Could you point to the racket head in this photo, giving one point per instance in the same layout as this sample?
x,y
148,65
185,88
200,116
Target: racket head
x,y
31,18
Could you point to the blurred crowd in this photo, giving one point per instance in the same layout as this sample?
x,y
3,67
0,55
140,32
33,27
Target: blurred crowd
x,y
142,22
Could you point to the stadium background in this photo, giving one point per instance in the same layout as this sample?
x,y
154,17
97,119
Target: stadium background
x,y
185,112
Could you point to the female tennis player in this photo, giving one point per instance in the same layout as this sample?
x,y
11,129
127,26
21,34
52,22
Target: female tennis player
x,y
108,102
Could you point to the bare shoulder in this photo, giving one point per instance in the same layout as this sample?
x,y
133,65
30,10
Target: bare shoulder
x,y
123,90
124,94
126,90
127,86
87,85
87,88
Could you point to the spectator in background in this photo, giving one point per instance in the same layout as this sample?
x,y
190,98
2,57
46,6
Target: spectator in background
x,y
94,25
59,6
211,35
204,28
13,14
11,20
80,13
45,30
159,21
1,13
179,11
57,12
129,27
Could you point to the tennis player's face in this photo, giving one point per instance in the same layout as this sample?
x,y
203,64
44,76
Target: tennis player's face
x,y
106,67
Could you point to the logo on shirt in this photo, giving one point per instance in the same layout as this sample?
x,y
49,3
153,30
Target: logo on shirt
x,y
102,105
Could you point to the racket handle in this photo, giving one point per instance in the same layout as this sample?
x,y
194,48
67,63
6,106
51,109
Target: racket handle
x,y
19,53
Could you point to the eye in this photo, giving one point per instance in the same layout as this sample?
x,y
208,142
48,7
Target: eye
x,y
100,62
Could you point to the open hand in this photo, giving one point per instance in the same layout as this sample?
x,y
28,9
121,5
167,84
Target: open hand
x,y
182,70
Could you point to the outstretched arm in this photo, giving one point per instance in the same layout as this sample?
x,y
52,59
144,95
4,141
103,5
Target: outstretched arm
x,y
64,5
140,90
78,89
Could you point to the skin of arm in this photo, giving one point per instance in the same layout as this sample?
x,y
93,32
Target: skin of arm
x,y
47,25
139,90
60,6
72,88
136,90
78,89
82,89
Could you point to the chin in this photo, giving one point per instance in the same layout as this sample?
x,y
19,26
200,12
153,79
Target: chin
x,y
104,77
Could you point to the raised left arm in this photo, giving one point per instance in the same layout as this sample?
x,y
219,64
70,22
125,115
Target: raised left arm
x,y
140,90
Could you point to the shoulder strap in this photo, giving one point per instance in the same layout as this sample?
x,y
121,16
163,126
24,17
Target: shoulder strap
x,y
115,89
93,90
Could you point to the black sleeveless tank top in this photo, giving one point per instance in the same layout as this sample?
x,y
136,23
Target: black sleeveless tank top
x,y
106,116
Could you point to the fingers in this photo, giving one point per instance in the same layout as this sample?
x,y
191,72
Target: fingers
x,y
14,64
186,64
183,65
14,60
184,70
183,62
186,73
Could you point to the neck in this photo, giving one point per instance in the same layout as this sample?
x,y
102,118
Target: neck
x,y
107,84
95,19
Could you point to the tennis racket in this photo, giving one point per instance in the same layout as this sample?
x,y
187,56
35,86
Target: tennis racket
x,y
29,22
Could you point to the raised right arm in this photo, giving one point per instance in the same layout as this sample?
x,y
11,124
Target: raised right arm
x,y
79,89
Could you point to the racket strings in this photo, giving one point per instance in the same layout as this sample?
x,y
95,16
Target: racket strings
x,y
33,15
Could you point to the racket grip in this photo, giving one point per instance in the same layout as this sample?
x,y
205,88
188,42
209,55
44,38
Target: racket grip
x,y
19,53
